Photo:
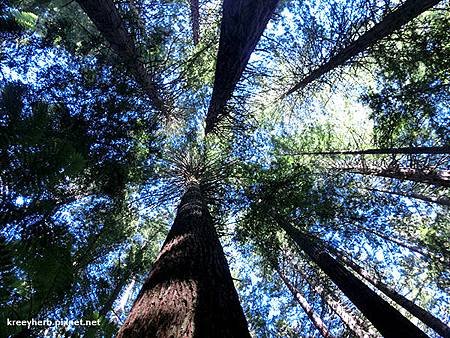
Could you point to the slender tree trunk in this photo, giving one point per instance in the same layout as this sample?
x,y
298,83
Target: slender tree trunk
x,y
409,10
386,319
312,315
106,308
355,324
424,316
106,18
440,178
189,292
391,239
243,22
442,200
114,295
381,151
195,20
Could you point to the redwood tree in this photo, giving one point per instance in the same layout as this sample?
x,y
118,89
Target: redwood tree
x,y
389,321
190,291
243,22
393,21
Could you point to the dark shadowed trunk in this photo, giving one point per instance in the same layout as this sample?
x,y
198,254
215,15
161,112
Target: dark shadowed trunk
x,y
243,22
436,177
386,319
189,292
106,18
424,316
442,200
312,315
195,20
409,10
381,151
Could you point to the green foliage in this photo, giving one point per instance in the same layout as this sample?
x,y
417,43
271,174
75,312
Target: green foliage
x,y
27,20
89,174
409,105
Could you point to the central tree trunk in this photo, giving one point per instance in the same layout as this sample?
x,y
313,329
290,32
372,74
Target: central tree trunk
x,y
189,292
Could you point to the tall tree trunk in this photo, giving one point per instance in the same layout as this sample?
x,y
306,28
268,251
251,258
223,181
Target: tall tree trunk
x,y
437,177
424,316
381,151
386,319
312,315
189,292
195,20
106,18
442,200
243,22
355,324
409,10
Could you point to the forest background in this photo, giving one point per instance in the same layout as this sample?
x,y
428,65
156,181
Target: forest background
x,y
310,137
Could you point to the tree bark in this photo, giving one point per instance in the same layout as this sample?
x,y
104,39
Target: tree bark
x,y
189,292
381,151
386,319
195,21
243,22
437,177
424,316
409,10
107,20
312,315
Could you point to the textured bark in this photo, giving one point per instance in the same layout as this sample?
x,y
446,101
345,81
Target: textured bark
x,y
312,315
386,319
381,151
436,177
195,20
442,200
106,18
355,324
409,10
424,316
189,292
243,22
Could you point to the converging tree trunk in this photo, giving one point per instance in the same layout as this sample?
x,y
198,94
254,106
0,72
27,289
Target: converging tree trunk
x,y
436,177
386,319
195,20
424,316
380,151
243,22
189,292
355,324
409,10
106,18
312,315
442,200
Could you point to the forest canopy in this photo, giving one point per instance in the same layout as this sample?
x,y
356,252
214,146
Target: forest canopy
x,y
225,168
